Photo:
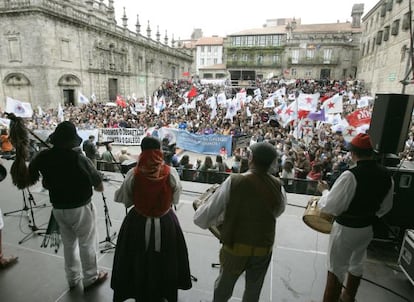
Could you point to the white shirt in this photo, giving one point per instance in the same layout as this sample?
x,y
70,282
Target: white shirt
x,y
125,194
337,200
212,212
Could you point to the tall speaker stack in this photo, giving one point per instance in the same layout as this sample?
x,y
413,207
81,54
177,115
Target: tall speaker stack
x,y
390,121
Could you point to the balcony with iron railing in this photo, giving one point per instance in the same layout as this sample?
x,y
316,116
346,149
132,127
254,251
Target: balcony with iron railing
x,y
314,61
252,64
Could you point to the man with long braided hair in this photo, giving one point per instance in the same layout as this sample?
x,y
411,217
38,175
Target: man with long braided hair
x,y
151,257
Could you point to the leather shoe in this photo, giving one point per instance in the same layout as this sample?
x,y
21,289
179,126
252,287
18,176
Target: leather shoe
x,y
6,262
102,276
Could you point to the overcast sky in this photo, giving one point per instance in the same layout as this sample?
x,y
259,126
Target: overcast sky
x,y
221,17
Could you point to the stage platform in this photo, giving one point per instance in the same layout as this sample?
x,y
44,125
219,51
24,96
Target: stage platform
x,y
297,271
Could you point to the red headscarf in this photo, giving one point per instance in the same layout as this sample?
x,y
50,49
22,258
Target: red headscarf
x,y
152,189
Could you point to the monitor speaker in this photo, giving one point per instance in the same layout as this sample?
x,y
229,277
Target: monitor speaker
x,y
390,121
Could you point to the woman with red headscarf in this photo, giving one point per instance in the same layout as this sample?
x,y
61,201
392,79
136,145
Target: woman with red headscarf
x,y
151,257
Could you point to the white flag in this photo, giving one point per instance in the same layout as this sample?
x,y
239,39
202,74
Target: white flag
x,y
333,104
83,99
39,109
20,109
60,113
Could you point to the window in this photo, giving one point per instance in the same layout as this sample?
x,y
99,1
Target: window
x,y
234,57
327,55
259,59
406,21
308,73
202,48
379,37
386,33
209,49
202,62
310,54
395,27
245,58
64,50
275,58
295,56
215,61
389,5
262,40
268,40
14,49
250,41
383,10
293,71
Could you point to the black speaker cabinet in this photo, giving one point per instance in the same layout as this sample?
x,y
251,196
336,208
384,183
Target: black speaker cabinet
x,y
390,121
402,212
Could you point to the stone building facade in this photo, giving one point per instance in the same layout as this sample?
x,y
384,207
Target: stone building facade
x,y
286,48
385,58
53,51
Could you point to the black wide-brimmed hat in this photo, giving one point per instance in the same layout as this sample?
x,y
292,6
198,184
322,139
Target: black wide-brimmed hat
x,y
65,135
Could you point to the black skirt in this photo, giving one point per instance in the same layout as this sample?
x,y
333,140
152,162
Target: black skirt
x,y
147,275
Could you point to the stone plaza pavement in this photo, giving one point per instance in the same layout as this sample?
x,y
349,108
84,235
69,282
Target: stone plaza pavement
x,y
297,271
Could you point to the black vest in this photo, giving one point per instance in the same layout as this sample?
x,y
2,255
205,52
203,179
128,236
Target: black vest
x,y
373,183
68,183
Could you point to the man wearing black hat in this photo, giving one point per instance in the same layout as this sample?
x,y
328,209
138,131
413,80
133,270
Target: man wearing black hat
x,y
69,176
358,197
245,208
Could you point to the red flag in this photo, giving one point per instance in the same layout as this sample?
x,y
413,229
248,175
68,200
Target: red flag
x,y
120,101
359,117
186,74
192,93
303,114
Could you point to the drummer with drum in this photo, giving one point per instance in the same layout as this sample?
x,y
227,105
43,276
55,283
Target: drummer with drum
x,y
245,208
358,198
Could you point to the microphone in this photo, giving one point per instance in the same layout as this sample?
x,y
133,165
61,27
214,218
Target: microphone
x,y
105,143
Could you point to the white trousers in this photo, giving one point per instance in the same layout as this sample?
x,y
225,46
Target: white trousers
x,y
347,250
1,221
78,231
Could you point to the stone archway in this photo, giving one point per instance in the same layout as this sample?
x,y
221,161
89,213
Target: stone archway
x,y
17,86
68,84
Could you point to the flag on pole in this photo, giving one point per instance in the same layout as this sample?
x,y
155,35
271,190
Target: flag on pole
x,y
60,113
192,93
333,104
20,109
40,111
83,99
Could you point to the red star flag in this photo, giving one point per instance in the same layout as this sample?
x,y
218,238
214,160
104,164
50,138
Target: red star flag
x,y
333,104
308,101
20,109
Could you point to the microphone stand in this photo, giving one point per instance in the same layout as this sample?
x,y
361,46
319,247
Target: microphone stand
x,y
109,244
32,224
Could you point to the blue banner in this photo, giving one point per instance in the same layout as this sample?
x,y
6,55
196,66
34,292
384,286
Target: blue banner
x,y
214,144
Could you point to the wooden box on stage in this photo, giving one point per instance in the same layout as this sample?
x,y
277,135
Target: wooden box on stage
x,y
406,258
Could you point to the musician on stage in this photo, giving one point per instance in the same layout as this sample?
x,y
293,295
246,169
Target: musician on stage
x,y
245,207
69,176
358,198
151,257
8,261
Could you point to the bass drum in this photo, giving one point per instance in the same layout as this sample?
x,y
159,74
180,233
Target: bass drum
x,y
3,172
204,199
315,219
